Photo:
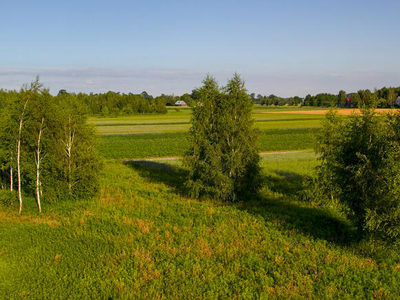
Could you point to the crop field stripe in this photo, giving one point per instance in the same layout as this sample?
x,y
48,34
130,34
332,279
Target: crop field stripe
x,y
183,128
141,124
180,157
285,120
180,123
176,144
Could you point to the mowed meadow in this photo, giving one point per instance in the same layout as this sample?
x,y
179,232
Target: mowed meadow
x,y
144,237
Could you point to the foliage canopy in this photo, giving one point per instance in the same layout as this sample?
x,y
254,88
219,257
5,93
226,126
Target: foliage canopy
x,y
223,157
47,148
360,166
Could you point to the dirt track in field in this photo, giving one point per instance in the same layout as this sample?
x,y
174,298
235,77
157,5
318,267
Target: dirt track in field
x,y
324,111
178,157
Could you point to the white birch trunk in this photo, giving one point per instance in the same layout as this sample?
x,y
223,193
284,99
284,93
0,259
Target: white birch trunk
x,y
19,169
37,160
21,123
70,134
11,174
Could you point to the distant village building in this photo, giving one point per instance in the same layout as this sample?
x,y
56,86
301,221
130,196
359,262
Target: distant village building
x,y
397,102
180,103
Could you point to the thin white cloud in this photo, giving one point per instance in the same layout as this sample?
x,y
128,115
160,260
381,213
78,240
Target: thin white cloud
x,y
178,81
154,81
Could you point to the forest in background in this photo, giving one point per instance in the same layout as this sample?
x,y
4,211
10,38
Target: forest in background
x,y
114,104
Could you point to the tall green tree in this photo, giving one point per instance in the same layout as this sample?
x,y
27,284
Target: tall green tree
x,y
75,157
47,142
223,159
391,97
21,112
341,98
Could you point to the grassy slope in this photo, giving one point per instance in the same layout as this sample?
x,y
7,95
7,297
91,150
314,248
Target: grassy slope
x,y
144,238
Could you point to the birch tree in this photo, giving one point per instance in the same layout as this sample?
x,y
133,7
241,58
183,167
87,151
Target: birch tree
x,y
26,95
223,159
38,128
49,144
77,141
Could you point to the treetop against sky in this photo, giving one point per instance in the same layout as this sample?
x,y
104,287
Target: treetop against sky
x,y
280,47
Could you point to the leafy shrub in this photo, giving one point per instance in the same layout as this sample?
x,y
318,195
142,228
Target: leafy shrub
x,y
7,197
360,166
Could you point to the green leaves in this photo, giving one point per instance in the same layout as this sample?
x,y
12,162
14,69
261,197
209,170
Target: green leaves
x,y
47,124
360,163
223,157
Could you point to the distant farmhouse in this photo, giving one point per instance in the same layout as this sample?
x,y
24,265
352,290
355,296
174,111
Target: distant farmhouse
x,y
180,103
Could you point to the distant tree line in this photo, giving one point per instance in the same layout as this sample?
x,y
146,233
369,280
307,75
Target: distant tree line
x,y
382,98
115,104
273,100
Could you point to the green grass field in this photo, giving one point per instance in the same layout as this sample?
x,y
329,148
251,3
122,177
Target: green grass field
x,y
143,237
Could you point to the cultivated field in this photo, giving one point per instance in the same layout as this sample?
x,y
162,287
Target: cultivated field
x,y
179,121
142,136
144,237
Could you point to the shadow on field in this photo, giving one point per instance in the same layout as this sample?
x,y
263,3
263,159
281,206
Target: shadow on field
x,y
171,175
285,182
311,221
278,203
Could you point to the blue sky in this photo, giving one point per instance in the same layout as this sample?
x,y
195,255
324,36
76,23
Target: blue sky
x,y
282,47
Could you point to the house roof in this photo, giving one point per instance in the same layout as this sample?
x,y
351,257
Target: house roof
x,y
180,102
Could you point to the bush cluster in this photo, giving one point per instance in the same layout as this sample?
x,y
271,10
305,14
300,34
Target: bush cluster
x,y
360,166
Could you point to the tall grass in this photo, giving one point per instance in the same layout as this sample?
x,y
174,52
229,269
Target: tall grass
x,y
144,238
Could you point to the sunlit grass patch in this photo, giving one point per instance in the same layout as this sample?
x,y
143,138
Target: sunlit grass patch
x,y
143,237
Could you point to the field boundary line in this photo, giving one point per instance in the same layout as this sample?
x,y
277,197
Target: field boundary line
x,y
179,157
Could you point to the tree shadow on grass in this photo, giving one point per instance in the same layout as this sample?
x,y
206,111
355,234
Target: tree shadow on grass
x,y
279,202
285,182
171,175
276,203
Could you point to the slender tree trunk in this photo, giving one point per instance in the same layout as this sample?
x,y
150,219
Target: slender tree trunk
x,y
21,123
11,173
68,149
19,170
37,158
